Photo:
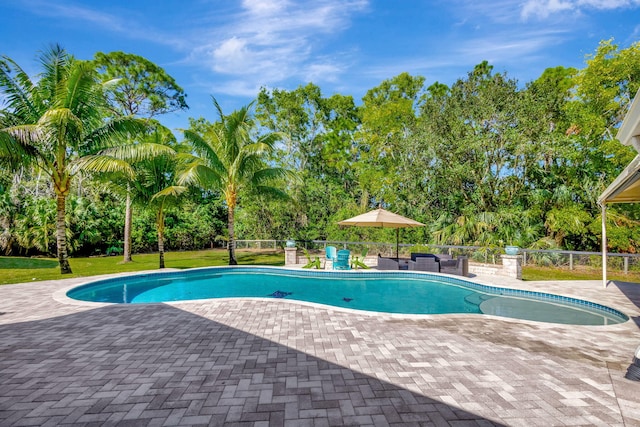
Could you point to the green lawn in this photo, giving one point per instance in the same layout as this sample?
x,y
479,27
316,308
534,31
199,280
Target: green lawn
x,y
580,273
20,269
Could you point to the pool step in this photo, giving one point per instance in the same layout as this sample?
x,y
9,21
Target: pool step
x,y
477,299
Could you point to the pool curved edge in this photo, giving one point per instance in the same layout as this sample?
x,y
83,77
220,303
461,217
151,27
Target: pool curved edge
x,y
62,294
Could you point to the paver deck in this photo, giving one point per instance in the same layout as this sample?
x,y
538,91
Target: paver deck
x,y
279,362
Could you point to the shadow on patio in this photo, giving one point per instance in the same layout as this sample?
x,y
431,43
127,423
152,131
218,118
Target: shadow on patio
x,y
159,364
632,291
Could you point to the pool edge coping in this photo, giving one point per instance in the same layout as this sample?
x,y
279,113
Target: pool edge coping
x,y
60,295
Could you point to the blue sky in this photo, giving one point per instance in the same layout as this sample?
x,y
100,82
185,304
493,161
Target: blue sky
x,y
230,49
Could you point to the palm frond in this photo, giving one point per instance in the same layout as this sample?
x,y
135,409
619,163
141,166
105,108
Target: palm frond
x,y
17,88
196,173
256,148
57,120
79,89
203,147
12,152
114,133
138,152
247,164
25,135
270,139
101,163
272,192
55,63
271,174
170,192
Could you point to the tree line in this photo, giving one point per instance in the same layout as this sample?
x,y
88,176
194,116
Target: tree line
x,y
88,167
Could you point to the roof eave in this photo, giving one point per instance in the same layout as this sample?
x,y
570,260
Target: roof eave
x,y
629,132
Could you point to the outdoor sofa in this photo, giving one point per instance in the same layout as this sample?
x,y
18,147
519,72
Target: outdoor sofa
x,y
459,266
437,263
388,263
425,263
442,263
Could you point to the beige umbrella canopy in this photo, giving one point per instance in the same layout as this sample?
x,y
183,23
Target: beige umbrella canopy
x,y
382,218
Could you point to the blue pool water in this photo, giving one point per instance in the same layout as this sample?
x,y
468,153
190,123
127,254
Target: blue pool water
x,y
387,292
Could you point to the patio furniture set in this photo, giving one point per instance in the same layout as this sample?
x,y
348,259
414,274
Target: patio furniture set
x,y
440,263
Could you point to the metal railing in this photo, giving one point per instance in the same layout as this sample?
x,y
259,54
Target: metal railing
x,y
481,254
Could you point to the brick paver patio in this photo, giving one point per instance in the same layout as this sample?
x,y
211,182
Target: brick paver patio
x,y
278,362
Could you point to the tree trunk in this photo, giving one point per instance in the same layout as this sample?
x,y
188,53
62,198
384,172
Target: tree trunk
x,y
61,235
160,225
127,228
231,243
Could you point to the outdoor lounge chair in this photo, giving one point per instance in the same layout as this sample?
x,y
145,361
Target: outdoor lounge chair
x,y
423,263
388,263
458,266
331,255
342,261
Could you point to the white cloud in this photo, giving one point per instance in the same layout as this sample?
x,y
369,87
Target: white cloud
x,y
497,11
264,7
545,8
236,87
270,41
505,47
262,42
327,72
112,22
231,55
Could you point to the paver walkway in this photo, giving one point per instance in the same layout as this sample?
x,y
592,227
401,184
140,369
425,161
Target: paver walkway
x,y
278,362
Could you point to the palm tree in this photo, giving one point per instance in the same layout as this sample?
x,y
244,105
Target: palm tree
x,y
143,90
227,156
59,120
155,180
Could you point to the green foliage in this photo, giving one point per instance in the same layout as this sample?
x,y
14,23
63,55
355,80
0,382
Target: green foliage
x,y
137,86
569,226
486,161
228,157
58,123
113,250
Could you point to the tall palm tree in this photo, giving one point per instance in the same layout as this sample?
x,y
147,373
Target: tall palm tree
x,y
227,156
59,119
143,90
155,181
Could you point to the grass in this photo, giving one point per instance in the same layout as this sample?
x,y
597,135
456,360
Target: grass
x,y
20,269
531,272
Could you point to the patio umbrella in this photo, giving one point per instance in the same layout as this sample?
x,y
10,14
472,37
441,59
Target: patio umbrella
x,y
382,218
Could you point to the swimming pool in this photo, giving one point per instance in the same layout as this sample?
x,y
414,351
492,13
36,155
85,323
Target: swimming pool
x,y
386,292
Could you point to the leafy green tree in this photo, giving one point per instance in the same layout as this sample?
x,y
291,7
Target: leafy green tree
x,y
467,151
229,157
388,117
141,89
60,119
317,141
606,87
197,223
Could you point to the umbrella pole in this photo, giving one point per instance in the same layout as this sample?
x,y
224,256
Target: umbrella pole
x,y
397,243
